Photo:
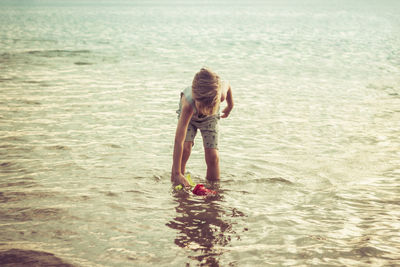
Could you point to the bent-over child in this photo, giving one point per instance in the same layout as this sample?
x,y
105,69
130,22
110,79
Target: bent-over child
x,y
199,109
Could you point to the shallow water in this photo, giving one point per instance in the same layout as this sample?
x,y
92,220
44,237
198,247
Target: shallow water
x,y
310,155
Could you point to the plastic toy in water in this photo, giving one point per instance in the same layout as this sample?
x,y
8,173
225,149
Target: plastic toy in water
x,y
189,179
200,190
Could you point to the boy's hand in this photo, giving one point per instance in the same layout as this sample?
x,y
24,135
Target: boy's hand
x,y
179,179
229,100
226,112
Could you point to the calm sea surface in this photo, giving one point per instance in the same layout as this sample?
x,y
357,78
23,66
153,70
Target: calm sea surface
x,y
310,156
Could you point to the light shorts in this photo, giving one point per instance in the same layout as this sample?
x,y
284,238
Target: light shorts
x,y
208,127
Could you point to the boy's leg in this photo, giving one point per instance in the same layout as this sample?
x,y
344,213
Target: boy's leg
x,y
209,132
187,149
212,160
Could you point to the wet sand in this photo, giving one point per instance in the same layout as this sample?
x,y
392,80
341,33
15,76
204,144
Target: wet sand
x,y
32,258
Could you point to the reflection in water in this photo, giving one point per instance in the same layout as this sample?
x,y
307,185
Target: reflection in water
x,y
202,226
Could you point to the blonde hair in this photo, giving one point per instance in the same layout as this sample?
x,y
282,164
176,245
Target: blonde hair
x,y
206,92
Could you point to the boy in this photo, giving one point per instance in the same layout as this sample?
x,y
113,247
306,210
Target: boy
x,y
199,109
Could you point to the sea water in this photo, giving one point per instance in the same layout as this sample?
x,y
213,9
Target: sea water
x,y
310,155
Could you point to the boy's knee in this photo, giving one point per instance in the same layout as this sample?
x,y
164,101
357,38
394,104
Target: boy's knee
x,y
212,157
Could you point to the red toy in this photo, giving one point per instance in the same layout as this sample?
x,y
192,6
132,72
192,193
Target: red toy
x,y
200,190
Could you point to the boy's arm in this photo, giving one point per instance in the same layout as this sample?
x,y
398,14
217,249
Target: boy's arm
x,y
229,101
180,134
